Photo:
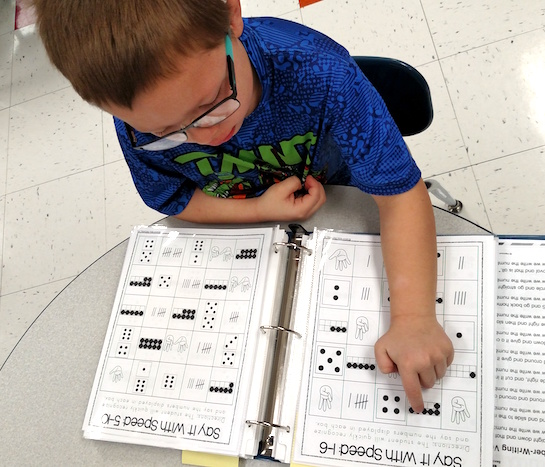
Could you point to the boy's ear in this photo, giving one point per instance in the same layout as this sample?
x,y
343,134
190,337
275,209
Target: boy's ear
x,y
236,17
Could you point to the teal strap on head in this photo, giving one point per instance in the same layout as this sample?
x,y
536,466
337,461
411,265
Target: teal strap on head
x,y
229,47
230,61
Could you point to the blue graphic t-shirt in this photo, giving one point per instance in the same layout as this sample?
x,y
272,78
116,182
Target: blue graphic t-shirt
x,y
318,115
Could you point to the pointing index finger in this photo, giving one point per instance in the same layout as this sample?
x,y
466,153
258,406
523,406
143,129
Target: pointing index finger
x,y
413,390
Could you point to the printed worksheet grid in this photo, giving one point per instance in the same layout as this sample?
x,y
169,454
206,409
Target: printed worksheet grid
x,y
352,314
353,292
459,295
184,314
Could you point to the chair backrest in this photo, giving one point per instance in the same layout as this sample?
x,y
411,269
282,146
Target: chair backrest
x,y
403,89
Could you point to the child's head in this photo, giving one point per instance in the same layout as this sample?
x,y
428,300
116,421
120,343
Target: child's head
x,y
111,50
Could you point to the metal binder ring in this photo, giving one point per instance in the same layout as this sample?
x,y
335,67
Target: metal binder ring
x,y
279,328
267,424
293,246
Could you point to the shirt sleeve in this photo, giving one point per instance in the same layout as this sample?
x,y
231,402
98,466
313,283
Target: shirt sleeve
x,y
159,184
371,144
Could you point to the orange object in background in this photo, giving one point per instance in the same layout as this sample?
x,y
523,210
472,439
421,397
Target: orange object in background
x,y
303,3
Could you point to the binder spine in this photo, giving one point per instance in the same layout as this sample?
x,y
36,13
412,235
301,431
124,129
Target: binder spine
x,y
283,332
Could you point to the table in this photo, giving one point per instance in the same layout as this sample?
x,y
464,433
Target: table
x,y
46,382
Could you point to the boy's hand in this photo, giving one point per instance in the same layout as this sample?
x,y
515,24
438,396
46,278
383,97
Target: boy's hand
x,y
417,348
415,345
284,202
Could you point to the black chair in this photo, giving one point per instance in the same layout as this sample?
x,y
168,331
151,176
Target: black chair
x,y
407,96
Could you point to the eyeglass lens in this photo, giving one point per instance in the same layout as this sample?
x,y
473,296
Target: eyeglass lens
x,y
168,142
216,115
226,109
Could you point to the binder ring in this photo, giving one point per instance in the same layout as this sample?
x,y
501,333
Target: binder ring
x,y
268,424
293,246
279,328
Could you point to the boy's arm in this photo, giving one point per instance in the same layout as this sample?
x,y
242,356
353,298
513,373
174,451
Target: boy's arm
x,y
415,345
279,203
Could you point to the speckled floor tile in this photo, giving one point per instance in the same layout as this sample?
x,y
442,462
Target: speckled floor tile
x,y
6,54
387,28
53,231
294,16
4,127
2,218
440,148
7,16
499,96
514,193
462,185
268,7
33,74
112,150
124,207
19,310
464,24
51,137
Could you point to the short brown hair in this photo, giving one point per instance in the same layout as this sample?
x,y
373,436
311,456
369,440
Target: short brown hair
x,y
110,50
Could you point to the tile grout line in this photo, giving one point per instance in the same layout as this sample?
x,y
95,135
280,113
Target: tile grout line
x,y
488,44
68,278
6,165
104,182
5,196
79,172
48,93
476,164
456,117
12,104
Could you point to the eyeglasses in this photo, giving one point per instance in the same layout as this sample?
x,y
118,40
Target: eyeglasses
x,y
217,114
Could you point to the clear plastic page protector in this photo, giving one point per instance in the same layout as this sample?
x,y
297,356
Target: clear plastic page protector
x,y
179,354
351,413
519,434
301,325
263,370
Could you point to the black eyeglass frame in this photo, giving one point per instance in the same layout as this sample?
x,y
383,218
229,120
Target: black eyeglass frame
x,y
233,96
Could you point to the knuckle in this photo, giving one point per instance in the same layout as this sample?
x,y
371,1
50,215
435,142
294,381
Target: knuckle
x,y
428,384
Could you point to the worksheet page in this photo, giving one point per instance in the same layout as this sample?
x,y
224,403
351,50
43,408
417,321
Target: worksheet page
x,y
349,412
179,355
519,434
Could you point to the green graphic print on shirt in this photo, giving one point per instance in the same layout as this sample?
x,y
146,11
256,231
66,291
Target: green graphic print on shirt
x,y
242,175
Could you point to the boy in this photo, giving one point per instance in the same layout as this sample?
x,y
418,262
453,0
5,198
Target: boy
x,y
228,120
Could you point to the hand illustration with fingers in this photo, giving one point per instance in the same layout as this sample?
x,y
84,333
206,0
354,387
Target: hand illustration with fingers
x,y
214,252
362,326
169,341
244,284
459,410
117,374
226,253
181,343
326,396
341,260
